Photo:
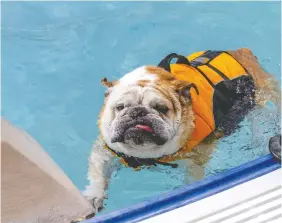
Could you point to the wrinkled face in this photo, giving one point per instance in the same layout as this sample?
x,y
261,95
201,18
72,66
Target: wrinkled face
x,y
144,116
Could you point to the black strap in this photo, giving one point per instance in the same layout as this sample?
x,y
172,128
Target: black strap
x,y
138,162
210,55
135,162
217,71
205,76
172,165
198,61
165,63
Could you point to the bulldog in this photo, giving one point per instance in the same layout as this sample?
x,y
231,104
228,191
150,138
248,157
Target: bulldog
x,y
156,115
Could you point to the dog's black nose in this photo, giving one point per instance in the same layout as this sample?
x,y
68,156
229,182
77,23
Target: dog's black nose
x,y
137,112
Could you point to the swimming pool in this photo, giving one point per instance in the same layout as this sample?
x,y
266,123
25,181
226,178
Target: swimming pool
x,y
55,54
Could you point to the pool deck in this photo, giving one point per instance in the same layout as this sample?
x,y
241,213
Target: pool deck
x,y
33,187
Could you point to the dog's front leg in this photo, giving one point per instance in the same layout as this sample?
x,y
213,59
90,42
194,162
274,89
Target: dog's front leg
x,y
99,172
199,157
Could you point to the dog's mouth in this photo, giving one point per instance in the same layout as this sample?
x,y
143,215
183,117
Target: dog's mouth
x,y
139,132
145,128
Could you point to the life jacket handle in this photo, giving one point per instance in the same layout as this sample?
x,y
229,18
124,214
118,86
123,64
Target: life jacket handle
x,y
165,63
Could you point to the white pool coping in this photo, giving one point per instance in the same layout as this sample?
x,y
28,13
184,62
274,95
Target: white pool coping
x,y
255,201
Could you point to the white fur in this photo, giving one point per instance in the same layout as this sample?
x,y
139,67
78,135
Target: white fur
x,y
136,75
98,174
128,80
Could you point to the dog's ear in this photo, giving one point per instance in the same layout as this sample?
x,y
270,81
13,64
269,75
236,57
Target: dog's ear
x,y
107,83
183,88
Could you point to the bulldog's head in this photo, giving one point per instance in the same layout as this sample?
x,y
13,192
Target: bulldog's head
x,y
147,113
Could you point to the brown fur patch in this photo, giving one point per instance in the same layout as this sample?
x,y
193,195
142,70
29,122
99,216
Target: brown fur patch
x,y
162,73
170,89
188,126
143,83
166,78
266,84
100,116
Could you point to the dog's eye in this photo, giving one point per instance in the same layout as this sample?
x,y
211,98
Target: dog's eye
x,y
161,108
120,107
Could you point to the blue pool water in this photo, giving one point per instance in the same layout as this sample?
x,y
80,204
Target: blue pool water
x,y
55,54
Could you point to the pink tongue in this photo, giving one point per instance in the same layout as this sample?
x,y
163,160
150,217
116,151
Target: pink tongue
x,y
144,127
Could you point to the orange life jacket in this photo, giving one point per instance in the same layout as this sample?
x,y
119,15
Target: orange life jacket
x,y
216,68
214,73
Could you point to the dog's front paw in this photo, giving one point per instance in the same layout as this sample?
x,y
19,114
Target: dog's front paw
x,y
95,197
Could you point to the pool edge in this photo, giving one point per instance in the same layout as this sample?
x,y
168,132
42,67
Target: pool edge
x,y
191,193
